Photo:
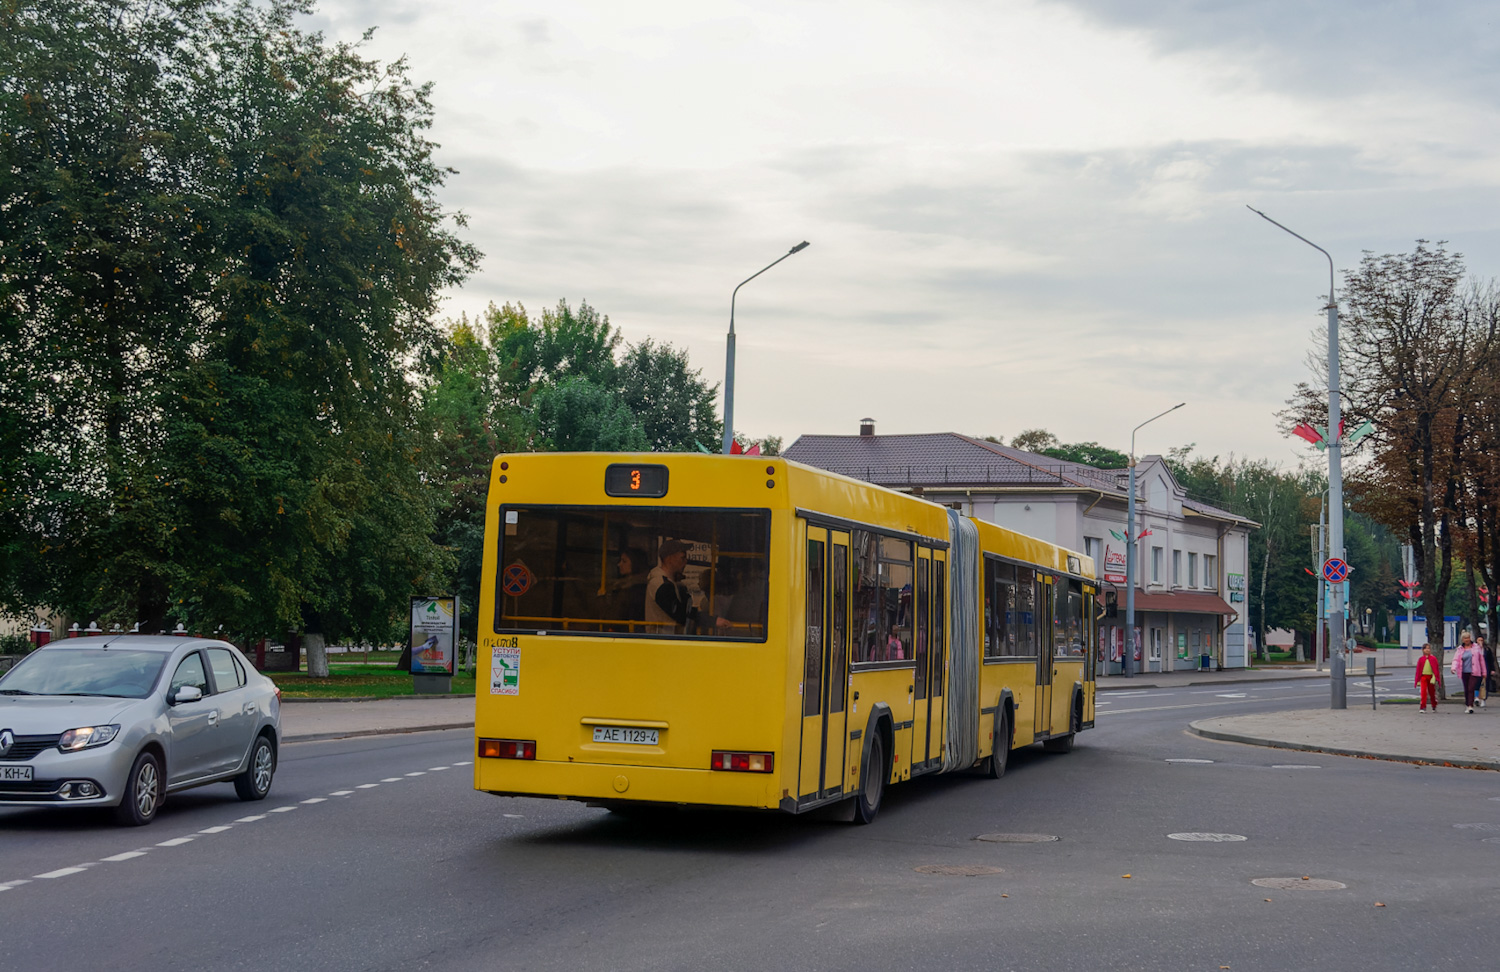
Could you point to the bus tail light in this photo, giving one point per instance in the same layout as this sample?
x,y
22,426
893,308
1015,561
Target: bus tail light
x,y
507,748
742,762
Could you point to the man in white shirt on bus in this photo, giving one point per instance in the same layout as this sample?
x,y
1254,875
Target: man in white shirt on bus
x,y
668,600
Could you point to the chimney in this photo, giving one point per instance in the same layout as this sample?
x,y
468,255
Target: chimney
x,y
866,426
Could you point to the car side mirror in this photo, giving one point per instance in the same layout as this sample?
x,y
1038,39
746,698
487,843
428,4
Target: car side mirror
x,y
186,693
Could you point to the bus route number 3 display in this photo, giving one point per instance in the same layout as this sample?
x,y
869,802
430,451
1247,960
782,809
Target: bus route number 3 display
x,y
624,479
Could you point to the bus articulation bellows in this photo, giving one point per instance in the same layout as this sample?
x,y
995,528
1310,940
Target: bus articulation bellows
x,y
735,631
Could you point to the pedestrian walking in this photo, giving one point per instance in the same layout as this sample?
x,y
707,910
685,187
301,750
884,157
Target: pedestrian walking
x,y
1427,676
1468,664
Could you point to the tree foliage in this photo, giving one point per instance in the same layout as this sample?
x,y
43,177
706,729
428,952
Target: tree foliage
x,y
219,258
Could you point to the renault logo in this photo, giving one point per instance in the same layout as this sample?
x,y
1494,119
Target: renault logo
x,y
7,739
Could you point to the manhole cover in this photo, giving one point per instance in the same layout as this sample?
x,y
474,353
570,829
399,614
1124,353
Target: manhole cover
x,y
1018,838
1299,884
1189,761
1477,826
1210,838
957,870
1295,766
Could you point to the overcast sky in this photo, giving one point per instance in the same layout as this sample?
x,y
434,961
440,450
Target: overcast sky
x,y
1022,214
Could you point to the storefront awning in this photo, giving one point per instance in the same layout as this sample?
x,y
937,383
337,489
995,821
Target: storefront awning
x,y
1180,602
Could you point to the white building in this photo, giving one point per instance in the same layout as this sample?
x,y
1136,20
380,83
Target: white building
x,y
1192,557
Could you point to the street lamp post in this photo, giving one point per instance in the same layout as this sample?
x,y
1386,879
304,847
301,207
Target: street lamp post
x,y
1338,689
1130,544
729,348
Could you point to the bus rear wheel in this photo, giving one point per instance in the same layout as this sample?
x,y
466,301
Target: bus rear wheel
x,y
999,758
871,782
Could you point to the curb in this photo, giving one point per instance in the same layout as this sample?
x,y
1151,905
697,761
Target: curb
x,y
1235,682
378,698
352,733
1340,751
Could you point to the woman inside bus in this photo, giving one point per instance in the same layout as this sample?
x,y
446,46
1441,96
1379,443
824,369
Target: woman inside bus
x,y
627,592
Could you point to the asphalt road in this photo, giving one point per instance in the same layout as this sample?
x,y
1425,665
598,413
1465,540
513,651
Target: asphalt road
x,y
376,853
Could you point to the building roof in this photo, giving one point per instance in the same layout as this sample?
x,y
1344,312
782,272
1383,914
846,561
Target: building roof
x,y
935,460
1182,602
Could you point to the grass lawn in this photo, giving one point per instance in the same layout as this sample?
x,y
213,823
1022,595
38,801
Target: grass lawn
x,y
356,681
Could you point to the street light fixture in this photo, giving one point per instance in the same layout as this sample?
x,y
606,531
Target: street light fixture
x,y
729,348
1130,544
1336,685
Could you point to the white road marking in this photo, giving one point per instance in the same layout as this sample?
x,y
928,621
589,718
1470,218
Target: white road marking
x,y
1294,766
124,857
282,809
316,800
418,773
391,779
1231,695
436,769
1209,838
1200,705
14,884
258,816
175,842
465,762
514,816
60,872
1186,760
366,786
341,792
213,830
1097,703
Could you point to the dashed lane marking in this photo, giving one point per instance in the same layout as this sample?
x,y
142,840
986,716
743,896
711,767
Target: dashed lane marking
x,y
7,885
1186,760
60,872
1294,766
341,792
316,800
465,762
366,786
418,773
128,855
175,842
436,769
258,816
213,830
391,779
282,809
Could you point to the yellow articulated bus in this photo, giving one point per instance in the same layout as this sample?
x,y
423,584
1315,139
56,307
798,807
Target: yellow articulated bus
x,y
750,632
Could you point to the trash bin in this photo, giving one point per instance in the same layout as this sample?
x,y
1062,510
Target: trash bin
x,y
1204,663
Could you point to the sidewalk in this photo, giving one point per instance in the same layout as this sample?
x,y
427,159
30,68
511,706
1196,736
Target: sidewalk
x,y
311,721
1448,737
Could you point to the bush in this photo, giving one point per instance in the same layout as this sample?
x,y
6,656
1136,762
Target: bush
x,y
1364,641
15,644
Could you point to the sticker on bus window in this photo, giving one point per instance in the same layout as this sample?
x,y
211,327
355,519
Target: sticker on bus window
x,y
505,671
516,579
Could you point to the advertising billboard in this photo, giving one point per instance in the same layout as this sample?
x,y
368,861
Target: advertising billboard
x,y
434,635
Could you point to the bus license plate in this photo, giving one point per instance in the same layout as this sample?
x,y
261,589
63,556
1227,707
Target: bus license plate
x,y
22,774
625,734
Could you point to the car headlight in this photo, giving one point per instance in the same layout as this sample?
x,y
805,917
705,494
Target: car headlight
x,y
86,738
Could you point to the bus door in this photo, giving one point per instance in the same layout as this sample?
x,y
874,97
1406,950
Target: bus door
x,y
1044,660
932,590
825,664
921,630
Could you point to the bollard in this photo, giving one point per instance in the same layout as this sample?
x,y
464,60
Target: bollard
x,y
1370,670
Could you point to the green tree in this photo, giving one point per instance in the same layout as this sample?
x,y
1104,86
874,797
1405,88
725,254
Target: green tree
x,y
236,253
1089,454
1034,440
675,406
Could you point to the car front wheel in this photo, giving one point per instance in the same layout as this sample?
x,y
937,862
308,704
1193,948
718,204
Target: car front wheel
x,y
144,791
255,782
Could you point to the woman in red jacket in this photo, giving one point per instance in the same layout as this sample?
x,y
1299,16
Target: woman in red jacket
x,y
1427,675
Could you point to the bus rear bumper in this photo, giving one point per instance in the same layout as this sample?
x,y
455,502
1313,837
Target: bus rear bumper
x,y
604,783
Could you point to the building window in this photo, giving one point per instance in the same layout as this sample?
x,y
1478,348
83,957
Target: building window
x,y
1177,568
1192,570
1211,572
1094,547
1156,565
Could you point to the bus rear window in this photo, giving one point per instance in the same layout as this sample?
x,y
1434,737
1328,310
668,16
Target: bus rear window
x,y
633,572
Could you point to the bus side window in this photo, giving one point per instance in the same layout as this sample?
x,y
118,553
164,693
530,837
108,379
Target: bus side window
x,y
812,666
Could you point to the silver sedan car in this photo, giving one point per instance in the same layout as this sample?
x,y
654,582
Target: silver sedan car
x,y
122,721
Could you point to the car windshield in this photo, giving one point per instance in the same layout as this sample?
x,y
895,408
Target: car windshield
x,y
112,672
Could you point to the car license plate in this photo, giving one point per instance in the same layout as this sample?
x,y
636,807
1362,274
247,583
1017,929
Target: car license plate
x,y
625,734
22,774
